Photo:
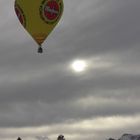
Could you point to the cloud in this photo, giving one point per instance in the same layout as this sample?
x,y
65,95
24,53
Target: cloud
x,y
73,130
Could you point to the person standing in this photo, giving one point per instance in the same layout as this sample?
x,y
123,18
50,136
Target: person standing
x,y
60,137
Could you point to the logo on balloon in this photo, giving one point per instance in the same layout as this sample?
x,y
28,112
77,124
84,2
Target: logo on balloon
x,y
51,11
20,15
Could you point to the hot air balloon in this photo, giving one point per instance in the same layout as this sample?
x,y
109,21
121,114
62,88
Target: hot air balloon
x,y
39,17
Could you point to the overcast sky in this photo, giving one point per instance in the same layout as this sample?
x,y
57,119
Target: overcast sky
x,y
40,95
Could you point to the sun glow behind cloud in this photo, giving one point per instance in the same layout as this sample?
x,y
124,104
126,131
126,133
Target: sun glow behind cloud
x,y
89,64
79,65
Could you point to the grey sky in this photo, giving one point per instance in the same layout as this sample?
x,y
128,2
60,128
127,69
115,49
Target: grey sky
x,y
42,95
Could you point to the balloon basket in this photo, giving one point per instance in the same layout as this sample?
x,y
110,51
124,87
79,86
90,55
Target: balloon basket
x,y
40,50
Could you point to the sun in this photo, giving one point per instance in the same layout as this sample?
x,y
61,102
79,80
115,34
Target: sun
x,y
79,65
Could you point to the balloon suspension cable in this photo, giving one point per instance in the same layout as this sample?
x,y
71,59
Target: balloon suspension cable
x,y
40,50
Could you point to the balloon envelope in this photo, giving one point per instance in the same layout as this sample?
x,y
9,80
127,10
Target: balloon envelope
x,y
39,17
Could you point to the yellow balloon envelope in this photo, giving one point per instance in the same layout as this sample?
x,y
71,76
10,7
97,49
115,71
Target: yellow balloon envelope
x,y
39,17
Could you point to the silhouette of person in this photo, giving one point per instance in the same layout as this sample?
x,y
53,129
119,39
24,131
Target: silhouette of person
x,y
60,137
19,138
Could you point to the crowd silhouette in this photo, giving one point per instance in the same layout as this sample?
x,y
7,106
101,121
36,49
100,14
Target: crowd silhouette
x,y
60,137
